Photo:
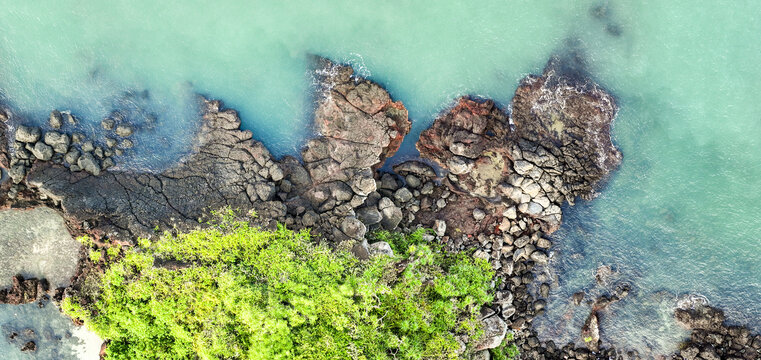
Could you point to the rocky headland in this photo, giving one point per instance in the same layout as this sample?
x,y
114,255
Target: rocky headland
x,y
489,181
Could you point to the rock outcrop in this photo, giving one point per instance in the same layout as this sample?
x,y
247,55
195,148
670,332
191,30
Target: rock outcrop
x,y
712,338
225,169
505,177
553,147
23,291
358,127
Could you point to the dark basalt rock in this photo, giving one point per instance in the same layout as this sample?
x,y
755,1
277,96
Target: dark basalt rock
x,y
712,338
126,204
29,346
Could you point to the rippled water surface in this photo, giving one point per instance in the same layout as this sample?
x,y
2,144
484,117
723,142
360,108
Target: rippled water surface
x,y
680,216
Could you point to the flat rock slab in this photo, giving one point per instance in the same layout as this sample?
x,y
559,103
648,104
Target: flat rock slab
x,y
36,243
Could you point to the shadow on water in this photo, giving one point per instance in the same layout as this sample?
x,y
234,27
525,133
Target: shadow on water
x,y
603,13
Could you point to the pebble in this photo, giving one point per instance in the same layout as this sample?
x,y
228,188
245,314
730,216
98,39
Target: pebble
x,y
478,214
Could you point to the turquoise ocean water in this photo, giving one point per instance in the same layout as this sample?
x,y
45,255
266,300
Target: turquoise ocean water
x,y
679,217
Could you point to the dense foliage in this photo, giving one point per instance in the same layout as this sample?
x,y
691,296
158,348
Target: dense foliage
x,y
233,291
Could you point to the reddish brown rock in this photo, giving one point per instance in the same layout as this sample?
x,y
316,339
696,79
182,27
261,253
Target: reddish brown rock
x,y
24,291
554,146
358,123
472,142
590,332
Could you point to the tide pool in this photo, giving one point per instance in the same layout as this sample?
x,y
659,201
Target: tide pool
x,y
679,216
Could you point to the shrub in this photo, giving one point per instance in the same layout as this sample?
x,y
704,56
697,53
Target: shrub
x,y
232,291
94,255
507,350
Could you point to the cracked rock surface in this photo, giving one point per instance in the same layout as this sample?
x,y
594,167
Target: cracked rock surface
x,y
225,165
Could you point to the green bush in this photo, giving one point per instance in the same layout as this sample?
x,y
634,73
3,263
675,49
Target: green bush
x,y
507,350
94,255
237,292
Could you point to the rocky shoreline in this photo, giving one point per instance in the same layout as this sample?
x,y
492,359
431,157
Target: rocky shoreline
x,y
499,181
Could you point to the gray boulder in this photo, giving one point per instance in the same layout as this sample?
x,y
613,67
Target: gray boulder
x,y
361,250
412,181
392,216
380,248
70,119
42,151
98,152
88,146
388,182
440,227
17,173
478,214
28,134
353,228
55,121
77,138
88,163
72,156
309,218
108,124
415,168
481,355
59,142
107,163
369,215
403,195
495,330
263,190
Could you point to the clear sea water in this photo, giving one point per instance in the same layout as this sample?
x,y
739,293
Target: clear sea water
x,y
680,216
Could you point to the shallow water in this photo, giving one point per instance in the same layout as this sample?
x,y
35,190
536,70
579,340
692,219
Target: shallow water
x,y
680,216
57,338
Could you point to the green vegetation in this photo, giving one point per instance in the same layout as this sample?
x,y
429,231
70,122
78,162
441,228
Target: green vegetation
x,y
113,252
233,291
507,350
86,241
95,255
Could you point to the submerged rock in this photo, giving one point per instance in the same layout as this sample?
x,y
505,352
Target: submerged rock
x,y
123,130
590,333
55,120
108,124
